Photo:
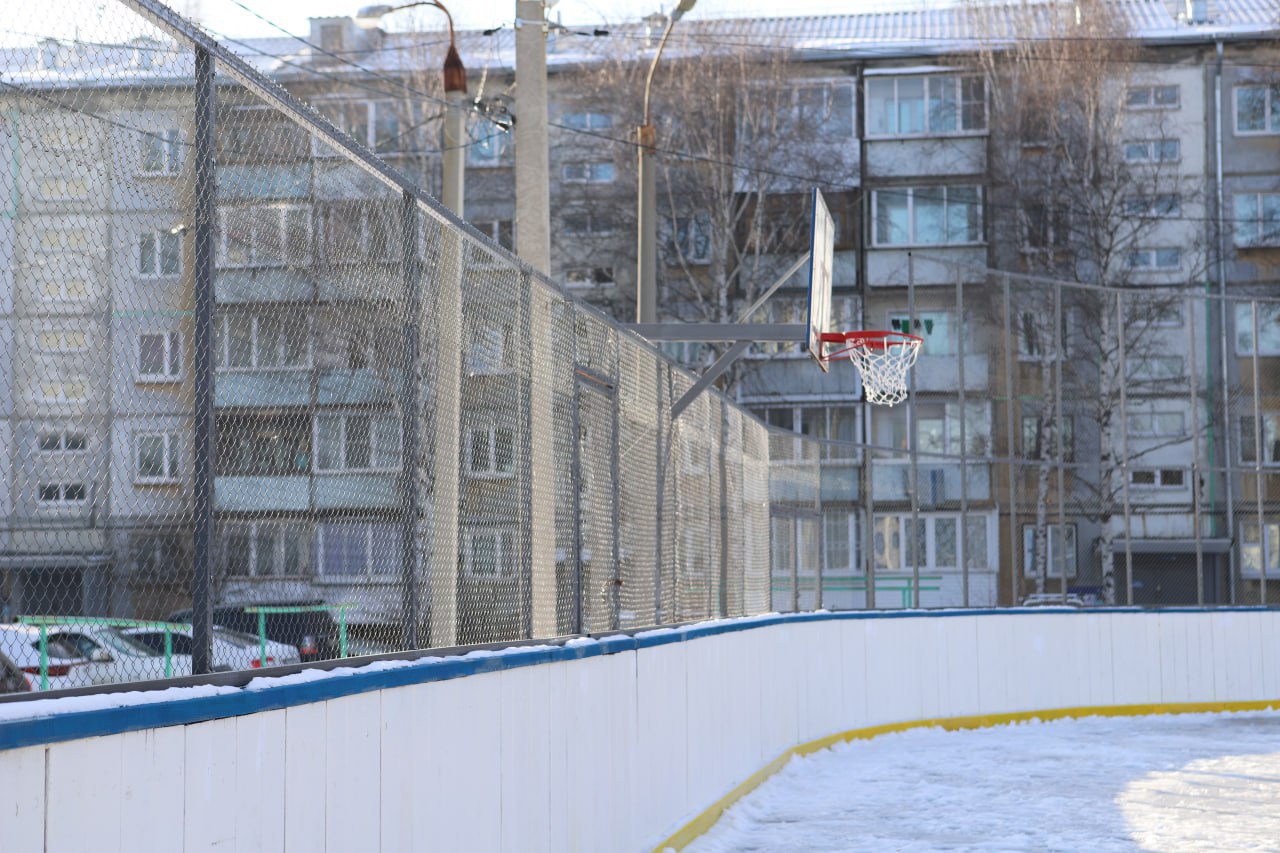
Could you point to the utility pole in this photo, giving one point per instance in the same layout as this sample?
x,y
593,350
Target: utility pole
x,y
533,195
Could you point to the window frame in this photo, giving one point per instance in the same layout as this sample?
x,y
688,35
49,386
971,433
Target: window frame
x,y
64,488
370,528
64,436
1158,478
1153,152
64,339
912,238
1260,238
1270,112
1244,326
589,172
1150,262
1270,448
283,211
1150,103
1070,551
1047,454
492,471
172,353
170,453
929,526
222,342
256,532
168,142
587,277
504,539
1268,547
926,94
158,240
342,419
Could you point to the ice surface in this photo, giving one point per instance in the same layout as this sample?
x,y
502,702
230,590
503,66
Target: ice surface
x,y
1170,783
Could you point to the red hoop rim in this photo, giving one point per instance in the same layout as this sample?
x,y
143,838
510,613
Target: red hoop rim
x,y
870,338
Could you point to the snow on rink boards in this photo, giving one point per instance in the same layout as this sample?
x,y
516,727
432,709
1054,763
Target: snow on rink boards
x,y
1189,782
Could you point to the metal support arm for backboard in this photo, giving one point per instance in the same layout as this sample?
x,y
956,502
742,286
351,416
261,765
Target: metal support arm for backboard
x,y
741,333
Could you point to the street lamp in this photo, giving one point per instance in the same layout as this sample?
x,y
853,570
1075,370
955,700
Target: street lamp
x,y
646,212
455,92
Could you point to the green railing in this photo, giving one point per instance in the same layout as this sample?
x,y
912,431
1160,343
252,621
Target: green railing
x,y
300,608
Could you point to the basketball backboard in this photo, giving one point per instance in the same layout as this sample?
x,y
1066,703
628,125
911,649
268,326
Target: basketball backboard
x,y
821,259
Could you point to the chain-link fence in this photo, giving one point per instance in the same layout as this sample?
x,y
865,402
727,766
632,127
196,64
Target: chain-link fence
x,y
259,388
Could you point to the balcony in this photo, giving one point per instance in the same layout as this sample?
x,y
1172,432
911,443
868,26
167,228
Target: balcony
x,y
937,482
261,493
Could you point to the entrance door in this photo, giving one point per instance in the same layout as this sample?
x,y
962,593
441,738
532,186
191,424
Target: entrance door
x,y
595,514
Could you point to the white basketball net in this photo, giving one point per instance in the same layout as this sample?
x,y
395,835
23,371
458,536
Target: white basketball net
x,y
883,363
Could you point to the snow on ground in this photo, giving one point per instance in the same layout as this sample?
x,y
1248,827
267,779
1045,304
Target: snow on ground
x,y
1170,783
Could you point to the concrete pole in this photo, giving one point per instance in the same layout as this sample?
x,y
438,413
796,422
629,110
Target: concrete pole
x,y
533,197
453,192
646,240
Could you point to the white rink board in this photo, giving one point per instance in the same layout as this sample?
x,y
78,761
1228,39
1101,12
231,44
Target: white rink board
x,y
608,751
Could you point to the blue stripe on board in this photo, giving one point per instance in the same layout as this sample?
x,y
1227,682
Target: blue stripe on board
x,y
107,721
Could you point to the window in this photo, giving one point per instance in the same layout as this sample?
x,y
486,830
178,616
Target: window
x,y
1153,311
375,124
261,549
1156,369
61,493
935,327
490,553
1153,151
1268,328
62,340
838,540
688,239
587,121
920,105
1046,227
937,427
927,216
66,239
1167,258
59,289
1270,439
934,545
1062,557
267,235
594,172
823,110
1254,550
360,231
159,254
498,230
64,391
1257,109
263,445
490,351
1162,204
246,342
156,457
835,426
160,152
1257,218
490,451
589,277
58,188
1151,97
357,442
360,548
61,441
588,224
160,357
1039,441
1162,478
490,146
1156,425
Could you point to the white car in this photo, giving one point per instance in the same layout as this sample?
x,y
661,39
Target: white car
x,y
21,644
232,650
87,653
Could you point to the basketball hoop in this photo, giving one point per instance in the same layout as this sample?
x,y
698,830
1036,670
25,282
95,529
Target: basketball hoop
x,y
883,359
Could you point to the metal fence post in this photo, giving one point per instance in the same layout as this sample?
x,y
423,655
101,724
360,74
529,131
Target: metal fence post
x,y
203,428
410,424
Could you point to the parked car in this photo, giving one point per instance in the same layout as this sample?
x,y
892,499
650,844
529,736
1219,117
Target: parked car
x,y
110,657
1052,599
12,678
20,644
231,649
314,633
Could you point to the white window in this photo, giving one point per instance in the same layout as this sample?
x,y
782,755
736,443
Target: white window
x,y
263,549
1153,151
61,188
491,451
589,277
1156,425
927,216
1151,97
61,441
1039,441
1153,311
937,427
593,172
65,239
1157,478
160,152
1060,560
59,289
1268,328
822,110
1164,258
587,121
52,494
375,124
246,342
353,441
64,391
836,427
1257,218
934,545
159,254
584,223
1153,206
839,538
490,352
52,339
358,548
687,239
936,327
1270,439
1156,369
925,105
156,457
490,553
265,235
490,146
1254,550
160,356
1257,109
360,231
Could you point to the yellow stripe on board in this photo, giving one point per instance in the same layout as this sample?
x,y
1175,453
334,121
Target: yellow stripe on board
x,y
707,819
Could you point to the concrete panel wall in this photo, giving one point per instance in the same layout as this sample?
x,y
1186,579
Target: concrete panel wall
x,y
595,746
